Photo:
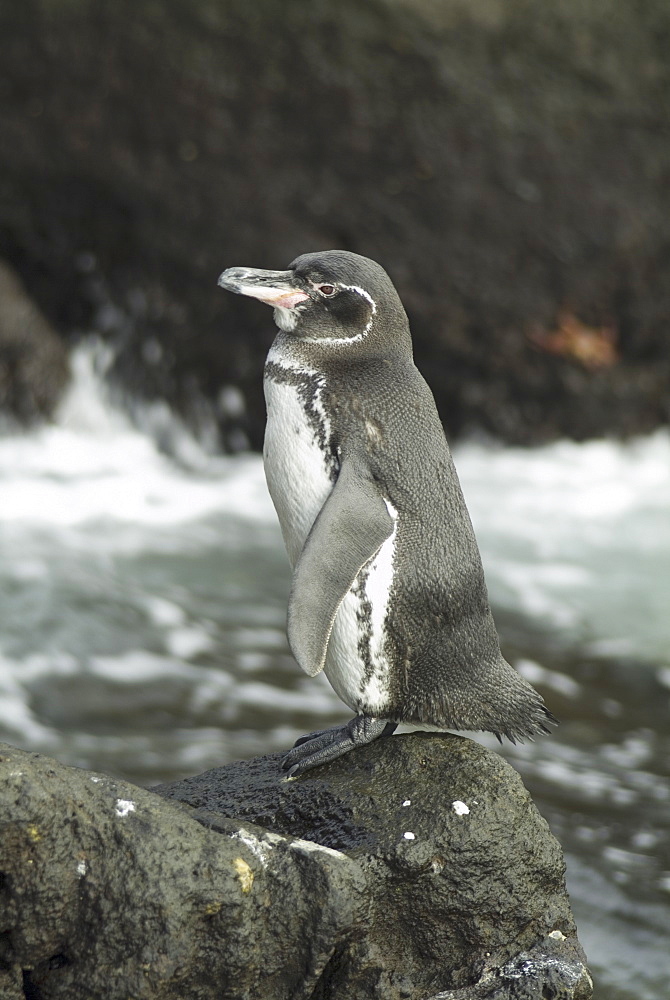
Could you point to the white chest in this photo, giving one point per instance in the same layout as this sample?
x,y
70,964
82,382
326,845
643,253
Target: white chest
x,y
298,474
296,468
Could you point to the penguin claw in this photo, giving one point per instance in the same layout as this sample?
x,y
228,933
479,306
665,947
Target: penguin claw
x,y
329,744
314,749
314,735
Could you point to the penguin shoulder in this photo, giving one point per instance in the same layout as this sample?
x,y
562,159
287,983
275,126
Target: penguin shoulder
x,y
390,409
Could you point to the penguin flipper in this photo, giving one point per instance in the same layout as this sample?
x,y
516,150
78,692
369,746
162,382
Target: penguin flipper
x,y
351,527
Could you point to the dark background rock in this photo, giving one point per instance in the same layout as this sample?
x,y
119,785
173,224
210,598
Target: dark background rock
x,y
34,368
506,161
108,890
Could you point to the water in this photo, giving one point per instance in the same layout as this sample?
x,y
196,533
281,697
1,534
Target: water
x,y
144,598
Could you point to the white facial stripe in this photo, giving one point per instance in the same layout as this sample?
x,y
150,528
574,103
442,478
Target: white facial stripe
x,y
361,291
335,340
359,336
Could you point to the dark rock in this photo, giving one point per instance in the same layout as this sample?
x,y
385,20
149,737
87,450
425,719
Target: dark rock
x,y
505,162
109,890
34,368
455,903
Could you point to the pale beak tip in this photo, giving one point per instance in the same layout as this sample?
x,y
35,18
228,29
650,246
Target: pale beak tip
x,y
225,280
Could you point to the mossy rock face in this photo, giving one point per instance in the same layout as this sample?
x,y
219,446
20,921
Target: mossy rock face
x,y
506,163
414,867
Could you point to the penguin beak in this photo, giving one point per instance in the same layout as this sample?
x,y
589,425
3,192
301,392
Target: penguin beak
x,y
276,288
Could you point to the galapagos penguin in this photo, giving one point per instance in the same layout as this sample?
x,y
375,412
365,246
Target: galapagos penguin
x,y
388,594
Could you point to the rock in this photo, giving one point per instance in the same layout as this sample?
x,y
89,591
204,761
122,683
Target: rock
x,y
465,882
110,891
416,867
506,165
34,367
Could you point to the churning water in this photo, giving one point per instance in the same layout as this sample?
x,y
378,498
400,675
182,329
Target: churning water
x,y
144,599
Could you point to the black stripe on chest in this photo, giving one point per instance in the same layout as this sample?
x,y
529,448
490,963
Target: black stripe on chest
x,y
309,387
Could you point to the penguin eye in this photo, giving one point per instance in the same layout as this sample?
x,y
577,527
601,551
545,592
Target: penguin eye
x,y
326,289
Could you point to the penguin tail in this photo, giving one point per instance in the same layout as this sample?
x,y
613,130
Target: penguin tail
x,y
498,701
539,723
549,718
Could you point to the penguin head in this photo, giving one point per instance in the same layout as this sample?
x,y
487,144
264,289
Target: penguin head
x,y
332,298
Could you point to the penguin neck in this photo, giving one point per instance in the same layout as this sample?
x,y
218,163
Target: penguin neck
x,y
294,354
318,354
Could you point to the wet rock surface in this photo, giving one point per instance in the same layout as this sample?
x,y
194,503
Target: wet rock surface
x,y
463,875
505,163
416,867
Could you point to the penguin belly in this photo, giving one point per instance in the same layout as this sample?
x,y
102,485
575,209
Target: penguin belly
x,y
296,468
300,479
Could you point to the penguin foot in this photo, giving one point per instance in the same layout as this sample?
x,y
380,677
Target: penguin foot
x,y
328,744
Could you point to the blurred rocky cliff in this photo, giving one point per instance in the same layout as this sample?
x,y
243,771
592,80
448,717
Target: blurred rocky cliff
x,y
507,162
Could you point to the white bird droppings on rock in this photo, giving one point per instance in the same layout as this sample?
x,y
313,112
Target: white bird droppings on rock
x,y
310,845
124,807
258,848
460,808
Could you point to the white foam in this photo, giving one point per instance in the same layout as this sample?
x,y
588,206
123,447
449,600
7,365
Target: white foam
x,y
92,464
577,535
553,679
189,642
314,700
16,714
163,612
138,666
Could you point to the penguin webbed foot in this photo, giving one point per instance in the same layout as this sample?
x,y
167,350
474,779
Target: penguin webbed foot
x,y
329,744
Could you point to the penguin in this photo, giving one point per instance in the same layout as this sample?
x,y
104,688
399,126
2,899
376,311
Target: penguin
x,y
388,595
